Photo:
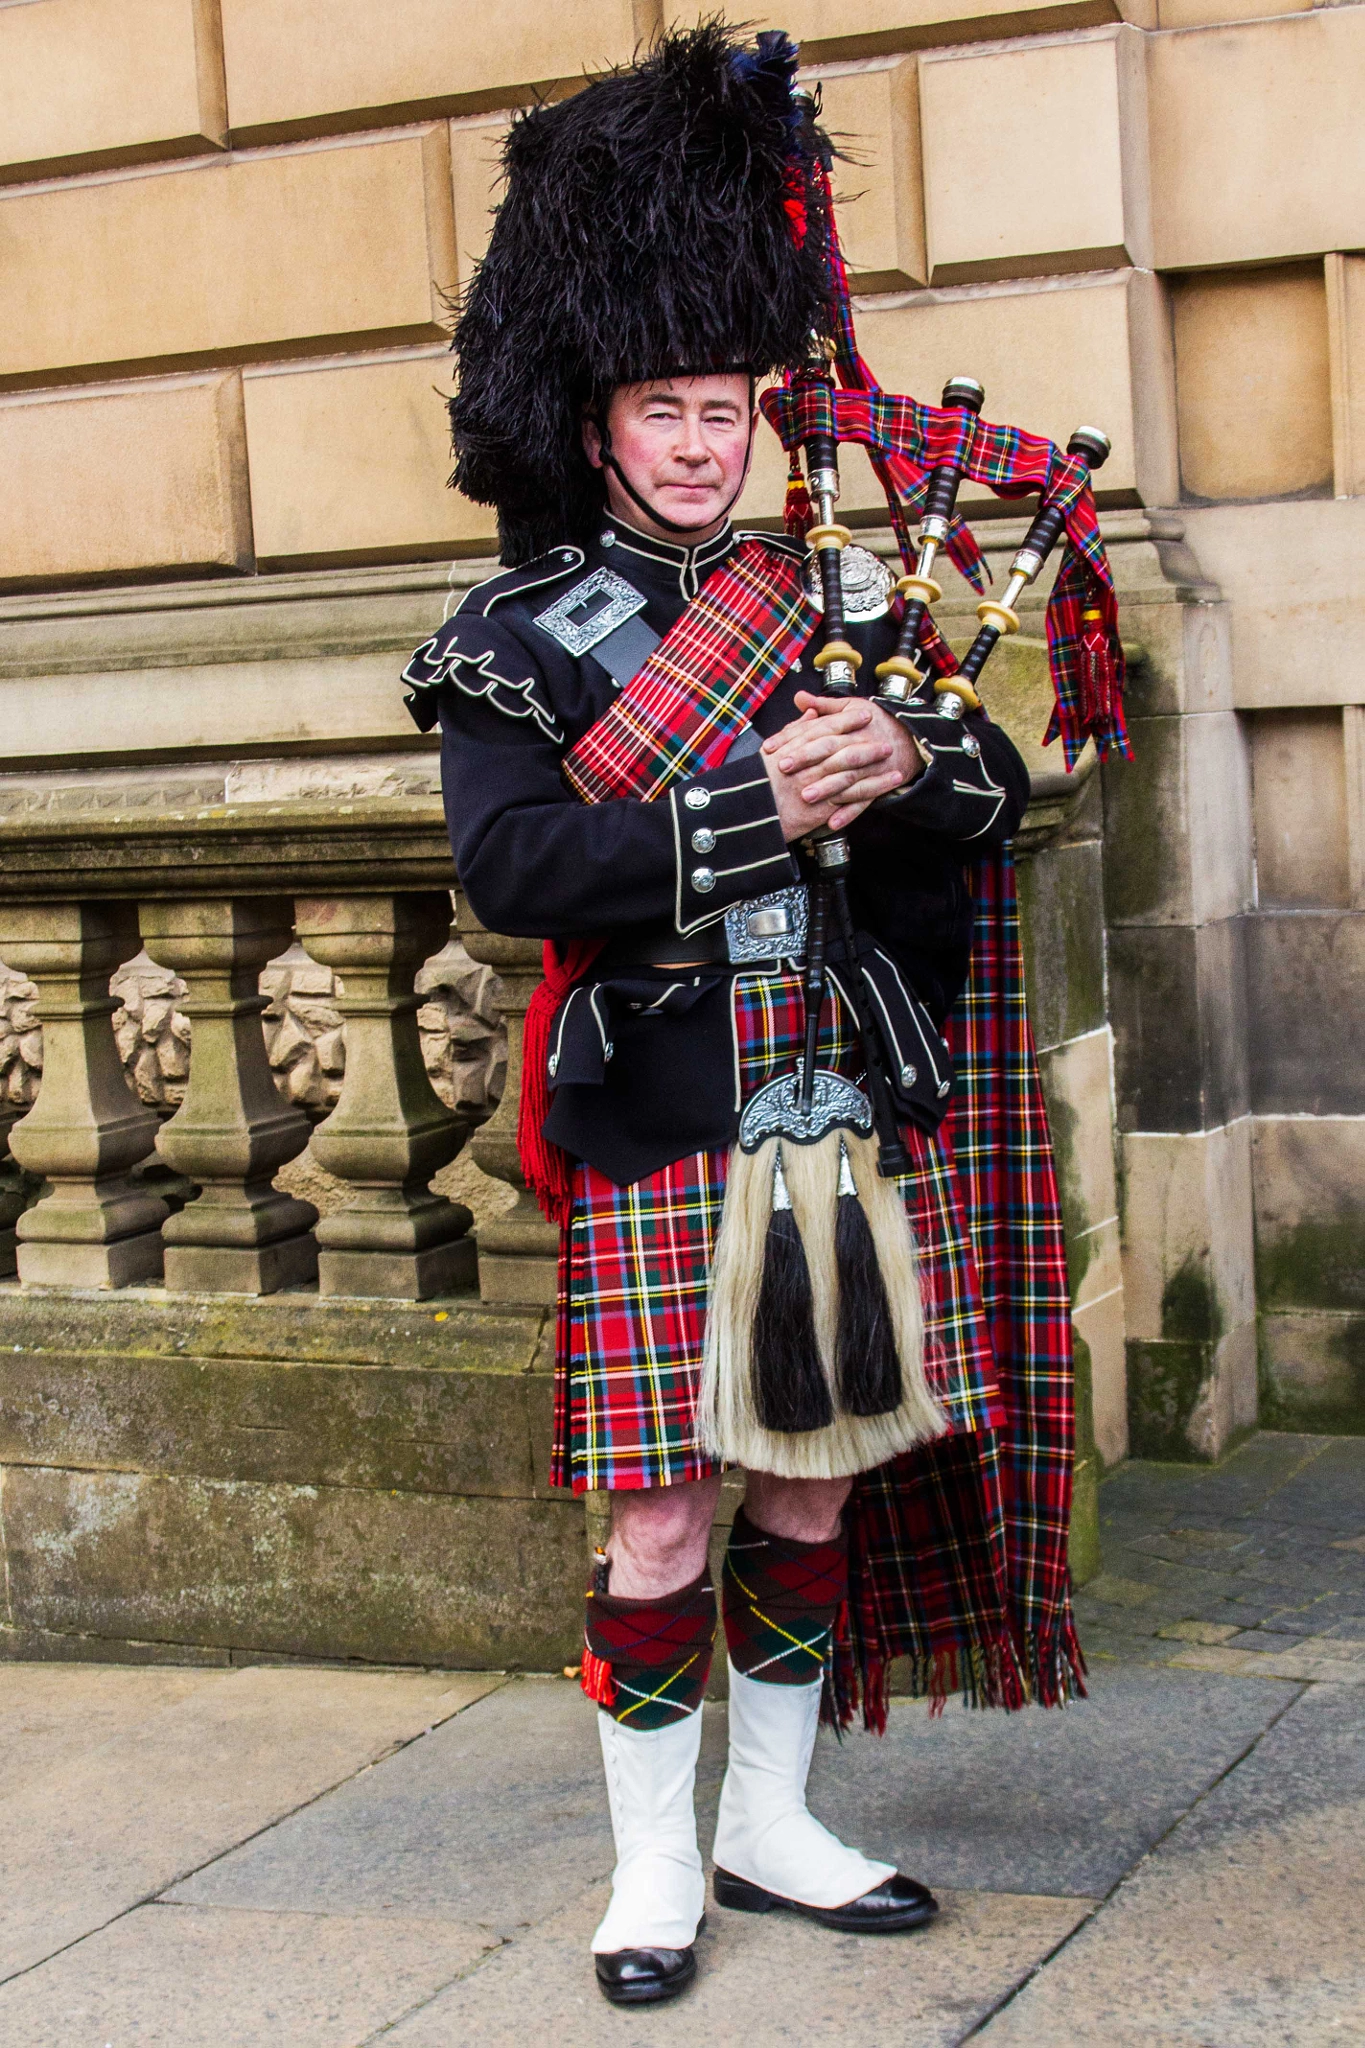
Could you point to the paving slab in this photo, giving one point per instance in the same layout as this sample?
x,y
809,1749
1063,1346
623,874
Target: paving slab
x,y
494,1820
180,1977
770,1981
110,1827
51,1714
1042,1802
496,1817
1246,1928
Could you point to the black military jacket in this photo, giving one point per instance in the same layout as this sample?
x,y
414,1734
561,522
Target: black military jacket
x,y
644,1067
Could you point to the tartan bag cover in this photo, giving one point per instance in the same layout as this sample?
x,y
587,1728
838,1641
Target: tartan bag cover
x,y
957,1549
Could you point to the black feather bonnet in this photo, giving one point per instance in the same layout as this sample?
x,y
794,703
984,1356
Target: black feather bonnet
x,y
667,218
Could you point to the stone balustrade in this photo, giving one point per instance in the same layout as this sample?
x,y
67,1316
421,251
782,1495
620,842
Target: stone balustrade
x,y
125,1197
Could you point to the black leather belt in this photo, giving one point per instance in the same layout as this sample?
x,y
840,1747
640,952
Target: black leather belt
x,y
761,932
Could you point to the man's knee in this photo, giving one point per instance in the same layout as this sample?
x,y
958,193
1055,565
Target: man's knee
x,y
800,1510
660,1536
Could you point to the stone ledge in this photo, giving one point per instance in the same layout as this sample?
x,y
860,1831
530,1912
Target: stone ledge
x,y
456,1334
353,847
318,1572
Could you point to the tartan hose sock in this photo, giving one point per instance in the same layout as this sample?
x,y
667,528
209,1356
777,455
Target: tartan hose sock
x,y
646,1662
780,1600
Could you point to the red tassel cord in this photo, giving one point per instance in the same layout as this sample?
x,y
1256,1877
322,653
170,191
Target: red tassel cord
x,y
1098,678
548,1170
596,1679
798,514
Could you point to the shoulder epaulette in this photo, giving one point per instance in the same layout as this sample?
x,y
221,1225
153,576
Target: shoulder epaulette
x,y
473,666
548,568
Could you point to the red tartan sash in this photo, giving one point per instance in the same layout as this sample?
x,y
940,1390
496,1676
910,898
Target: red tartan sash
x,y
703,682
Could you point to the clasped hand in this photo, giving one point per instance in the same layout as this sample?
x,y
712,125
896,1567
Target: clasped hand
x,y
829,764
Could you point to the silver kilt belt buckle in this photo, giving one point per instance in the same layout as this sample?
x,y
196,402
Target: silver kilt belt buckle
x,y
767,927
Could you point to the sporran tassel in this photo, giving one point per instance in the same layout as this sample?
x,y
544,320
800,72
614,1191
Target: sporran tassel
x,y
729,1424
791,1394
867,1367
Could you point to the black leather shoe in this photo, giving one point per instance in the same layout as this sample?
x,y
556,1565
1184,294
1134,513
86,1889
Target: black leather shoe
x,y
644,1976
891,1908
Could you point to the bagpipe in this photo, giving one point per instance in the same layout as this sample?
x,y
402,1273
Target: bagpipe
x,y
815,1350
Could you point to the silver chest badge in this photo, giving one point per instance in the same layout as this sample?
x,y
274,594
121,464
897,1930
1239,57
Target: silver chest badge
x,y
585,615
867,584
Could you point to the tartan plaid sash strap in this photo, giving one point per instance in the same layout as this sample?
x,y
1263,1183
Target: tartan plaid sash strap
x,y
703,682
710,672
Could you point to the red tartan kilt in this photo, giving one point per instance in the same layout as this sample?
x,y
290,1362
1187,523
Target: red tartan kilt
x,y
635,1266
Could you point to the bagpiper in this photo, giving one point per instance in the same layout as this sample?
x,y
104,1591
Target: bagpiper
x,y
779,1091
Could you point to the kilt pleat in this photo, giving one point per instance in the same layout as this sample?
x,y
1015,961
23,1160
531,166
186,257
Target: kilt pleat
x,y
635,1265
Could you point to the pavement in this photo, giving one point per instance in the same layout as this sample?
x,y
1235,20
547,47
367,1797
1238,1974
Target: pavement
x,y
285,1854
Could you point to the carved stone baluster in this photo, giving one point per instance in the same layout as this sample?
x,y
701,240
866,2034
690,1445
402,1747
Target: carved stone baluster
x,y
12,1196
519,1252
97,1228
390,1131
234,1130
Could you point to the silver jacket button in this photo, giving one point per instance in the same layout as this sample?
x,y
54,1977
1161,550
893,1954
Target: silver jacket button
x,y
703,840
909,1076
971,744
696,799
607,540
703,881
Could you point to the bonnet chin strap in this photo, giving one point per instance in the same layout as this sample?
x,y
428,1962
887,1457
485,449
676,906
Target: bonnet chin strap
x,y
609,461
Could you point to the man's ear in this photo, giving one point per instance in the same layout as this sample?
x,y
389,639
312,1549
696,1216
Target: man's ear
x,y
592,440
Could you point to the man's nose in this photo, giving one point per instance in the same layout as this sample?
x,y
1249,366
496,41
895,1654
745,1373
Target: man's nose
x,y
692,449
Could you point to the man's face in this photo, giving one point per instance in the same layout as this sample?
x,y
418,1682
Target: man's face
x,y
684,444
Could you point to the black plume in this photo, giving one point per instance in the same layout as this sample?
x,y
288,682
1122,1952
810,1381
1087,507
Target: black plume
x,y
664,219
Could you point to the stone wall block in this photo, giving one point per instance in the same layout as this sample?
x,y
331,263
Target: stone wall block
x,y
874,109
1254,389
476,170
97,1227
1099,1326
1256,144
1313,1371
1345,282
1295,632
390,1577
1310,1212
407,60
1179,1005
234,1130
1057,178
84,85
865,28
1303,836
153,479
1178,838
1189,1286
351,464
1305,1019
389,1132
279,253
1061,910
518,1253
